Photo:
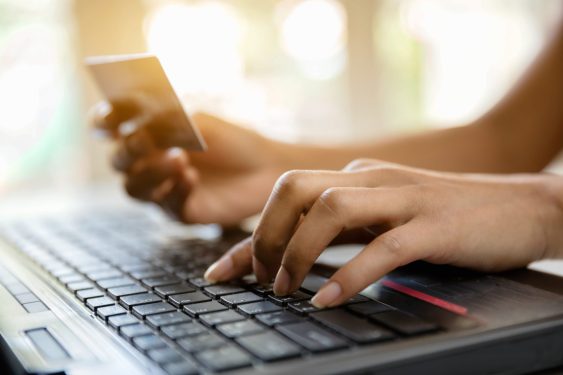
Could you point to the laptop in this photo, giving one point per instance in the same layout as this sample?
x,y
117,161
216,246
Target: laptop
x,y
119,290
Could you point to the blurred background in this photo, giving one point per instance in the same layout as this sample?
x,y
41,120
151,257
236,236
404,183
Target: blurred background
x,y
319,71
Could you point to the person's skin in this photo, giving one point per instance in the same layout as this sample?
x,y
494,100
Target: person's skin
x,y
486,222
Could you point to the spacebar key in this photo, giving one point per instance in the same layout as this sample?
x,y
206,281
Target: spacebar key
x,y
356,329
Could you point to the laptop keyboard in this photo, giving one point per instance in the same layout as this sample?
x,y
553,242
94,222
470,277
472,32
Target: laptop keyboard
x,y
149,290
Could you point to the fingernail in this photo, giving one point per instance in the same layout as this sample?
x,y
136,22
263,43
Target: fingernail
x,y
327,295
260,271
219,270
283,280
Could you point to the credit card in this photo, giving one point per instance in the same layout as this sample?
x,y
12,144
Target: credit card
x,y
140,79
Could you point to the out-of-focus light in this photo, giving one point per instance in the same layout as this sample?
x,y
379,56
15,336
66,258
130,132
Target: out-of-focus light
x,y
198,45
313,32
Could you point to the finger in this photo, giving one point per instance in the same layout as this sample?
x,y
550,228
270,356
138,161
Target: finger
x,y
174,195
148,174
337,210
131,148
235,263
293,194
392,249
107,116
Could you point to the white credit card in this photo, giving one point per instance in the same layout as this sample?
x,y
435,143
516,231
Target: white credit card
x,y
141,79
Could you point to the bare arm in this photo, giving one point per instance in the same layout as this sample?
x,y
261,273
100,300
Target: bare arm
x,y
522,133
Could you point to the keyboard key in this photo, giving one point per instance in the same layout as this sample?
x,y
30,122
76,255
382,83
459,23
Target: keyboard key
x,y
149,342
200,282
165,319
284,300
195,309
278,317
312,337
240,298
404,323
262,290
302,307
354,328
106,312
221,290
368,308
142,311
79,285
356,299
164,355
71,278
35,307
115,282
104,274
221,317
187,298
224,358
152,282
147,272
186,367
177,331
258,307
237,329
121,320
135,330
201,342
121,291
269,346
94,303
167,290
84,294
138,299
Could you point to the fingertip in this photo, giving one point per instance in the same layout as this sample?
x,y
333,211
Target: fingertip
x,y
220,270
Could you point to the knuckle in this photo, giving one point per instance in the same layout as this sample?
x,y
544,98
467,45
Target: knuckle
x,y
393,246
290,182
360,164
333,198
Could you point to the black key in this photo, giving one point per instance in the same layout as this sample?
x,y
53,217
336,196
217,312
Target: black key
x,y
138,299
147,272
237,329
368,308
356,329
195,309
201,342
115,282
119,321
79,285
278,317
152,282
313,283
221,290
149,342
404,323
312,337
152,308
262,290
103,274
135,330
121,291
284,300
84,294
94,303
186,367
134,266
177,331
165,291
165,319
165,355
224,358
269,346
187,298
200,282
258,307
187,274
240,298
303,307
356,299
221,317
106,312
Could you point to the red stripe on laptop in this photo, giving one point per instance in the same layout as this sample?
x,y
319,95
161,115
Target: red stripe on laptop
x,y
452,307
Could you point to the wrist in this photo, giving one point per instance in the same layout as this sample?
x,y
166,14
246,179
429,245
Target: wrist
x,y
551,187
